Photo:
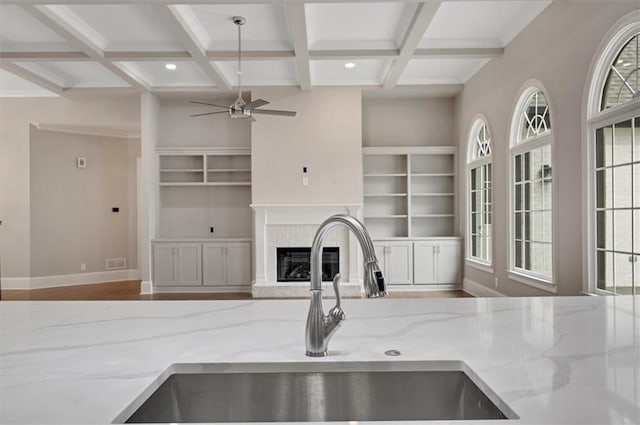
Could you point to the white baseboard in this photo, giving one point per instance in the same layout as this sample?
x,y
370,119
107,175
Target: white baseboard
x,y
16,283
68,279
477,290
423,288
146,287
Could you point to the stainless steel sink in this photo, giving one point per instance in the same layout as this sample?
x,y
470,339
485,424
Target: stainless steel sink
x,y
300,392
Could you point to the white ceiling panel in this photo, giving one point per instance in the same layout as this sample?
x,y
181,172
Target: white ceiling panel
x,y
266,27
334,73
187,74
480,23
440,71
20,31
335,26
76,44
127,27
261,73
74,74
14,86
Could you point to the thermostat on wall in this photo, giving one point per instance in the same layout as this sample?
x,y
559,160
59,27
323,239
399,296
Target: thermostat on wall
x,y
81,162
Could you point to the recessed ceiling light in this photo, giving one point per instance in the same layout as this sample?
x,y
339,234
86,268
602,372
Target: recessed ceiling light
x,y
171,66
349,65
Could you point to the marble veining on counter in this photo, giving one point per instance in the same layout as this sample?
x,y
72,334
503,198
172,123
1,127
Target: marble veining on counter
x,y
553,360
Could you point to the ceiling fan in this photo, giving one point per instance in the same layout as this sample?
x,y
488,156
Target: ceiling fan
x,y
239,108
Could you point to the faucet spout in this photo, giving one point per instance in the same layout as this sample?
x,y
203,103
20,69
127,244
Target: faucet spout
x,y
320,328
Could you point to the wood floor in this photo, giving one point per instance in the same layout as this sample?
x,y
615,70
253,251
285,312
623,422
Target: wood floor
x,y
130,290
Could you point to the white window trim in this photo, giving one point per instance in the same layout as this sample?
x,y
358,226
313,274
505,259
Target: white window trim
x,y
479,265
593,118
472,163
527,277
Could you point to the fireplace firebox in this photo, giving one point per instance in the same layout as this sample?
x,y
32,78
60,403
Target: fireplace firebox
x,y
294,264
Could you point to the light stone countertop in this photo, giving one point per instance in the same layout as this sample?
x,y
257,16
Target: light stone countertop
x,y
553,360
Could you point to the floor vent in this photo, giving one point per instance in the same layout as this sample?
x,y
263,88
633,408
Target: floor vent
x,y
116,263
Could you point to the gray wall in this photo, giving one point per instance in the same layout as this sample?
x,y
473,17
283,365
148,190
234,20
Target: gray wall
x,y
178,128
71,217
325,136
557,49
407,121
16,116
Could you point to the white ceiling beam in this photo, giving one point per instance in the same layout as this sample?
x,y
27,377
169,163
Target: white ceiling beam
x,y
182,31
459,52
146,56
298,27
62,26
421,19
32,77
45,56
80,93
354,54
227,55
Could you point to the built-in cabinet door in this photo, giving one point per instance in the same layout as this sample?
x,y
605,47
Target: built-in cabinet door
x,y
238,263
396,262
189,264
437,262
381,255
213,264
165,272
400,263
425,258
449,262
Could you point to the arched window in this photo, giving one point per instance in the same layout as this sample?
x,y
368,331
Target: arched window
x,y
531,253
480,196
623,82
613,161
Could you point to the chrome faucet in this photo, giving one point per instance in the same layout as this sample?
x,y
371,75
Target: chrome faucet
x,y
320,328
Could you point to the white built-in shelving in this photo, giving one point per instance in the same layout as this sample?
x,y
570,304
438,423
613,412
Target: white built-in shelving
x,y
204,192
409,203
211,167
410,192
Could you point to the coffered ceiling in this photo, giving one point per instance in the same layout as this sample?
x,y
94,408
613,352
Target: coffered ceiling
x,y
73,46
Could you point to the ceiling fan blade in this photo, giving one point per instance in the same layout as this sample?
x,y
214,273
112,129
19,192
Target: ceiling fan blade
x,y
208,104
273,112
210,113
256,104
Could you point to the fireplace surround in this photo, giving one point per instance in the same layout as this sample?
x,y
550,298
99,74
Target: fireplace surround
x,y
282,226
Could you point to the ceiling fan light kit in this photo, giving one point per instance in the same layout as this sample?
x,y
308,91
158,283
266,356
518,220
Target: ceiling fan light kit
x,y
241,109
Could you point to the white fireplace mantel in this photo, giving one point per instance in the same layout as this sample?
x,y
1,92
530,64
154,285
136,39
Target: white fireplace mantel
x,y
279,225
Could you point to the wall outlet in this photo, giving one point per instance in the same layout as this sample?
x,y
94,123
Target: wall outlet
x,y
83,266
495,282
305,181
